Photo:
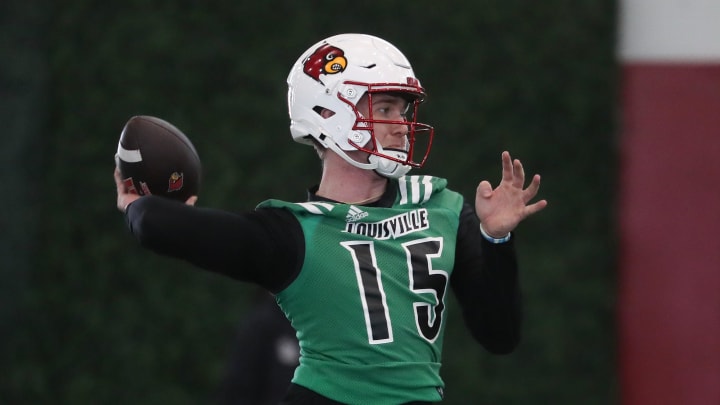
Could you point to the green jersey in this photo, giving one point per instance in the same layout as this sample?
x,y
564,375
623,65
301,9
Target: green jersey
x,y
369,302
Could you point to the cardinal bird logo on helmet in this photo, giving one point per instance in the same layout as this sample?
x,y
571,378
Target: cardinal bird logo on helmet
x,y
326,60
175,182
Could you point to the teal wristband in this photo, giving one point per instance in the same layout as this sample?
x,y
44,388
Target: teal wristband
x,y
494,240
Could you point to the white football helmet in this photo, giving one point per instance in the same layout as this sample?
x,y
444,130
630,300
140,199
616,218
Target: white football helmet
x,y
334,74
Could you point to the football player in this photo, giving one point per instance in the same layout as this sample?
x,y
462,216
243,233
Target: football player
x,y
363,268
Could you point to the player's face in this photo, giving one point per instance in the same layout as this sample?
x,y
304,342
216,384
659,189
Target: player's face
x,y
387,107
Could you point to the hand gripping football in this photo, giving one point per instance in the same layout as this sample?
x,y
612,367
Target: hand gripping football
x,y
154,157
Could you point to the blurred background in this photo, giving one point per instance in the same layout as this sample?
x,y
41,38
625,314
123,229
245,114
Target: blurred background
x,y
87,317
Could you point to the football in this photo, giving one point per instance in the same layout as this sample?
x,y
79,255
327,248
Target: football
x,y
154,157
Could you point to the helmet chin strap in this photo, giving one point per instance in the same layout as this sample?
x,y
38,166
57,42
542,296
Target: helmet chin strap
x,y
389,168
381,165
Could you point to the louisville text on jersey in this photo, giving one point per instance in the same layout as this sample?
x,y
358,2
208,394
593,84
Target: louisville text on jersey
x,y
393,227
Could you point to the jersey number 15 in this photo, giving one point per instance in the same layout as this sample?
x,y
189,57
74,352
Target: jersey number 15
x,y
423,280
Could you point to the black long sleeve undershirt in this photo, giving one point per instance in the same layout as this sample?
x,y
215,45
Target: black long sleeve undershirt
x,y
267,247
485,283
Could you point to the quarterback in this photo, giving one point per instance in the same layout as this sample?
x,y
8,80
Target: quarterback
x,y
363,267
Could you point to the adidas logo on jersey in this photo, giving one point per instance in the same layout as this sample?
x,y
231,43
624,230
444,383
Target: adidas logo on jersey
x,y
355,214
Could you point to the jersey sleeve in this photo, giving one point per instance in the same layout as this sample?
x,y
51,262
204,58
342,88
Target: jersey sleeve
x,y
264,246
485,283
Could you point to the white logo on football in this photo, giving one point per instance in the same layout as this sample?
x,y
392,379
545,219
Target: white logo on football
x,y
128,155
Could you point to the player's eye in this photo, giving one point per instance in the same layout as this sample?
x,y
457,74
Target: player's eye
x,y
406,111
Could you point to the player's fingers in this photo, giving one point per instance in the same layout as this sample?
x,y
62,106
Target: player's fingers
x,y
507,167
118,181
484,189
536,207
531,191
123,198
518,174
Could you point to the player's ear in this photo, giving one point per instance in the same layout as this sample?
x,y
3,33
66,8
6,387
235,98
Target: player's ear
x,y
325,113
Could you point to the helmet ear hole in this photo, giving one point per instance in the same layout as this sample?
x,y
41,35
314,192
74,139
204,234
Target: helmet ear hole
x,y
323,112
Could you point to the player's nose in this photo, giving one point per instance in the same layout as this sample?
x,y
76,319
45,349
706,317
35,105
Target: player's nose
x,y
401,128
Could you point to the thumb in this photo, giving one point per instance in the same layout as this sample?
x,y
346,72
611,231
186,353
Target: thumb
x,y
484,189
